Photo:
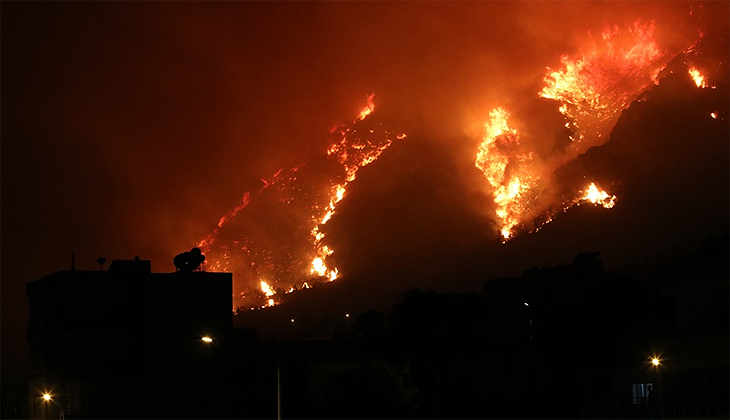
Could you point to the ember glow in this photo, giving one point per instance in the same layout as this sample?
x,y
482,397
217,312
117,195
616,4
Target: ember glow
x,y
590,89
278,232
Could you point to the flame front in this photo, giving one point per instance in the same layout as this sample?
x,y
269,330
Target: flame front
x,y
278,233
352,153
590,90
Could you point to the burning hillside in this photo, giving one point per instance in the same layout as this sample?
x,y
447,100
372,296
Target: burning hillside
x,y
274,240
590,90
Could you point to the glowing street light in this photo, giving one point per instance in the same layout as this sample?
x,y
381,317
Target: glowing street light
x,y
47,396
207,339
655,361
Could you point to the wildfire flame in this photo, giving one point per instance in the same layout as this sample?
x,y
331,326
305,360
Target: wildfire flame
x,y
268,292
590,90
277,233
368,109
352,156
595,196
698,78
506,167
596,86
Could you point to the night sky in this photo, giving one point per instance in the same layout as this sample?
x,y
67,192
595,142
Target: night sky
x,y
130,128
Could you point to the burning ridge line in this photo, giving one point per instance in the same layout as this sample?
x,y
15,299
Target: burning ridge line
x,y
275,236
591,91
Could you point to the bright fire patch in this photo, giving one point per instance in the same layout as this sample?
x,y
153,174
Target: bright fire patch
x,y
506,167
595,196
697,77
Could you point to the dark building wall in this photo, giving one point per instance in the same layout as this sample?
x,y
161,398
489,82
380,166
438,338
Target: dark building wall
x,y
124,342
14,394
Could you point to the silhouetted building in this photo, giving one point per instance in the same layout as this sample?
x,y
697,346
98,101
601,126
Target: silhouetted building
x,y
126,343
591,336
692,379
572,341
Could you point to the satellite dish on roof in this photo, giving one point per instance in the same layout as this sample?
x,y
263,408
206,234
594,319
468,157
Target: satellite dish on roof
x,y
189,261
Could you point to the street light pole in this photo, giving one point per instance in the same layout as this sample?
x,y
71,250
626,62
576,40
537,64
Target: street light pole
x,y
46,397
278,389
656,363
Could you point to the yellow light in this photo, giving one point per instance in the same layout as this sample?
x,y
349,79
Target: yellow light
x,y
655,361
207,339
47,396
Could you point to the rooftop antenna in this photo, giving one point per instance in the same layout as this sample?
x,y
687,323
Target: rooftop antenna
x,y
101,261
